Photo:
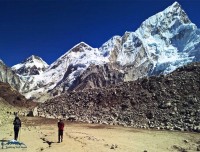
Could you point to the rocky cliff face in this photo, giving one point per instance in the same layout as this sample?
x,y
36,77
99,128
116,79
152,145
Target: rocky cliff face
x,y
94,76
11,96
111,48
98,76
9,76
166,102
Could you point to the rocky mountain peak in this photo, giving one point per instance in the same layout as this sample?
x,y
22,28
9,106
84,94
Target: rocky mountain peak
x,y
77,52
163,42
176,10
175,5
33,65
80,47
166,21
32,58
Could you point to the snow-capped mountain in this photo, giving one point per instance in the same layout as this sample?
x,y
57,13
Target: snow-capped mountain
x,y
76,60
161,44
73,63
33,65
68,67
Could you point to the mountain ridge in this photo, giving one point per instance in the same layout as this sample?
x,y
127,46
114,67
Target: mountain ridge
x,y
163,42
33,65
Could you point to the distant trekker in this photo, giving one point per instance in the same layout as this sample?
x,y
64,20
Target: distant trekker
x,y
17,125
60,130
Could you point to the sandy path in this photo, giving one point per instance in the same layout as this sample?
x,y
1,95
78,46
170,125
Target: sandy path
x,y
36,133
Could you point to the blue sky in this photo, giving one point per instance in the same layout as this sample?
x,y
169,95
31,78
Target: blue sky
x,y
49,28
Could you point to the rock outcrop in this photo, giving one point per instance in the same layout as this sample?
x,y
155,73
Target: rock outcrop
x,y
9,76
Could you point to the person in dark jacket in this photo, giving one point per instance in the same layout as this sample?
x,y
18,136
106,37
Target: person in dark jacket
x,y
17,125
60,130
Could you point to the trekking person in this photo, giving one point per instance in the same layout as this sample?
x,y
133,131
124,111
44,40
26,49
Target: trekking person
x,y
60,130
17,125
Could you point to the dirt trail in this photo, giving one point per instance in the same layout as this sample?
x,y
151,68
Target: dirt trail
x,y
40,134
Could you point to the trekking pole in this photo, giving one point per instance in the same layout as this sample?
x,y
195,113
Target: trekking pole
x,y
19,133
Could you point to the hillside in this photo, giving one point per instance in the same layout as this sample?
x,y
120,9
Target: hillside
x,y
6,112
13,97
12,101
162,102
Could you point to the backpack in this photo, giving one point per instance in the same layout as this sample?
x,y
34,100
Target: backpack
x,y
17,123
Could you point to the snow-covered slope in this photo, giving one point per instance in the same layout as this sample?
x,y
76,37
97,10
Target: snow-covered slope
x,y
111,48
76,60
168,38
68,66
33,65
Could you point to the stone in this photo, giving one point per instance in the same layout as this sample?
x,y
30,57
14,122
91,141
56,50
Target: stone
x,y
185,141
198,148
72,118
112,146
30,114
